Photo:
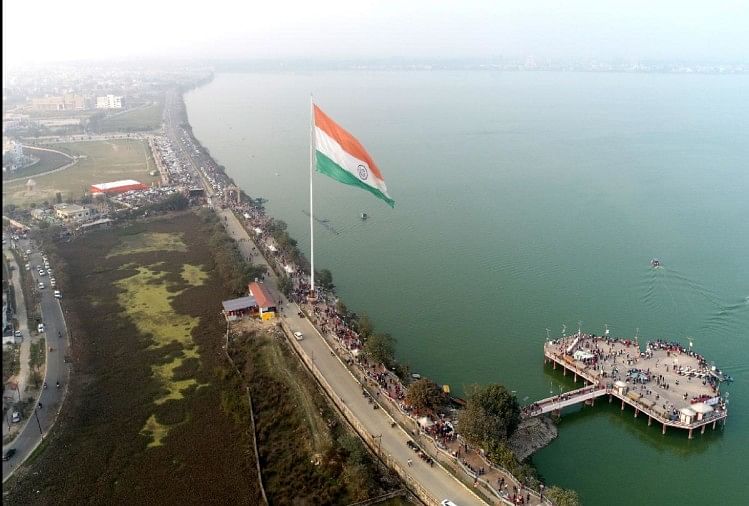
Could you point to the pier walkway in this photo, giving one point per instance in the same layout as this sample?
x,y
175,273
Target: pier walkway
x,y
558,402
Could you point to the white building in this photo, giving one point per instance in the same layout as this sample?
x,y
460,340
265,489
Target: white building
x,y
13,157
73,212
14,149
109,102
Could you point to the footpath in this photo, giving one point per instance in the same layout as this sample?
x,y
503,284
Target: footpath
x,y
15,387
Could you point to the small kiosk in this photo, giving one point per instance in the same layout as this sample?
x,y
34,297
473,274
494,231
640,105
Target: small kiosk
x,y
686,415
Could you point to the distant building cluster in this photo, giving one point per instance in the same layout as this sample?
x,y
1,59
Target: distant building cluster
x,y
74,102
66,102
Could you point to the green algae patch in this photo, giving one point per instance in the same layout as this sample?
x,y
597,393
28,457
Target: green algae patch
x,y
174,388
146,298
155,430
148,242
194,275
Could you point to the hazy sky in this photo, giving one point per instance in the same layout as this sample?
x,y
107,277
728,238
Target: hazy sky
x,y
36,31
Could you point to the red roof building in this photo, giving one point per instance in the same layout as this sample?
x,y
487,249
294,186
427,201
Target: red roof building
x,y
118,186
264,297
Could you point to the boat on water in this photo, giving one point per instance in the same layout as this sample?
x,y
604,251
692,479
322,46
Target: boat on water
x,y
364,215
720,375
655,263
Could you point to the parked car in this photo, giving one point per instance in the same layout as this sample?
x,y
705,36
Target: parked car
x,y
41,286
298,336
16,417
40,328
9,454
18,333
58,295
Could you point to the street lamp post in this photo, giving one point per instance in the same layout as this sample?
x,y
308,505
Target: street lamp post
x,y
36,415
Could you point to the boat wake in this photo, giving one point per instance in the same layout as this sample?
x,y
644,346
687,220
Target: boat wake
x,y
325,223
668,289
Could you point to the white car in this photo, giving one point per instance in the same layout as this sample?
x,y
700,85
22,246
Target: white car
x,y
41,286
40,328
58,295
447,502
298,336
16,417
52,282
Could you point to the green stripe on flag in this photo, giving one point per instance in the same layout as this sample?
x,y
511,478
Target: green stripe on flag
x,y
331,169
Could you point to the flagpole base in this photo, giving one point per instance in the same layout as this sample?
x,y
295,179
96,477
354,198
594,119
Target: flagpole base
x,y
312,296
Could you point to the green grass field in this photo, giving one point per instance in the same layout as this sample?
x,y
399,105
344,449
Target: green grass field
x,y
101,161
137,120
47,161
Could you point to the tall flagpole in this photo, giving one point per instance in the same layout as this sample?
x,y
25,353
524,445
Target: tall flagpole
x,y
311,213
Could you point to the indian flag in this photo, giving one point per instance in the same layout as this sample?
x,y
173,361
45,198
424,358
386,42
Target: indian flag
x,y
339,155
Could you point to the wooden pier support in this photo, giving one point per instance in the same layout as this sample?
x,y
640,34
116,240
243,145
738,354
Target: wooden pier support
x,y
564,371
575,377
610,398
703,429
664,428
622,405
636,412
650,420
690,433
555,364
714,422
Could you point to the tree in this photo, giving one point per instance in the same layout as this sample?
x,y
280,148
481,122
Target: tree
x,y
325,279
491,415
364,325
562,497
381,348
425,395
285,285
341,308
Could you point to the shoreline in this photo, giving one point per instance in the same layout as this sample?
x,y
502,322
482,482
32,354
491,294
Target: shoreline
x,y
282,267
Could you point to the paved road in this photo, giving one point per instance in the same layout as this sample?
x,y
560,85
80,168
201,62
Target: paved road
x,y
439,483
57,370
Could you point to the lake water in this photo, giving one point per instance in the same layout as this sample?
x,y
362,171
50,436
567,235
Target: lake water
x,y
525,202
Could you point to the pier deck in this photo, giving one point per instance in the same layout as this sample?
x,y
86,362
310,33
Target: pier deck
x,y
665,382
